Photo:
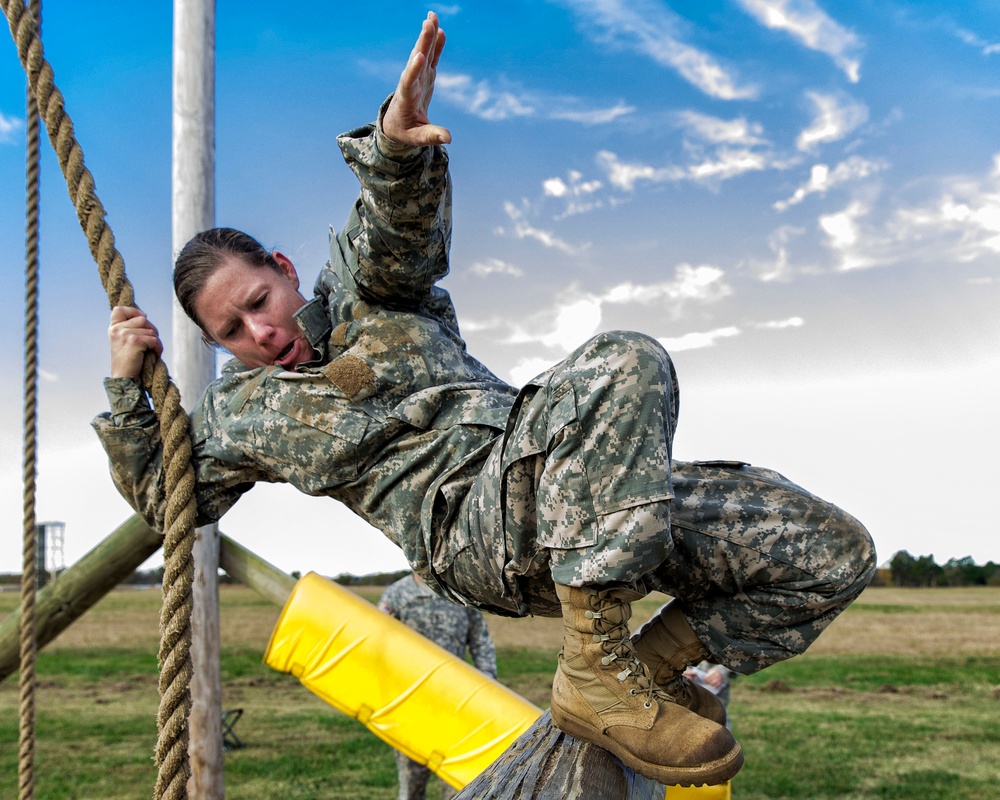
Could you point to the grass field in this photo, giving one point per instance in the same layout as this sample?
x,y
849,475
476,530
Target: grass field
x,y
900,699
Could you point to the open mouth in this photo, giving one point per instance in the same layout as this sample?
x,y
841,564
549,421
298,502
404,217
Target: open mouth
x,y
284,354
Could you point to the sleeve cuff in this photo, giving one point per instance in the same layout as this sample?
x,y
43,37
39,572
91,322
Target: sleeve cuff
x,y
387,147
127,399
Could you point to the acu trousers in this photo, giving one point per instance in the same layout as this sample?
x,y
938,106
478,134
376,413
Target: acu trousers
x,y
583,491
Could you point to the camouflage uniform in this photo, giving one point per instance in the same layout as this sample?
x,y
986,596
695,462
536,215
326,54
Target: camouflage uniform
x,y
454,628
492,493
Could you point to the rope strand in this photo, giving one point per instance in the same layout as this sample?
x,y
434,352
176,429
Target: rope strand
x,y
28,641
175,617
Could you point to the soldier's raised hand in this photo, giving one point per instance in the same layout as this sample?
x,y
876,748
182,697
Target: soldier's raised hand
x,y
406,120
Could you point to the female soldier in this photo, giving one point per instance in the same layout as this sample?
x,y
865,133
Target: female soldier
x,y
560,499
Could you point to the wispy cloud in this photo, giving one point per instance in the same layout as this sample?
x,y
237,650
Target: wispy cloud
x,y
724,164
960,225
652,29
494,266
522,229
578,314
843,232
780,324
577,193
778,268
626,175
822,178
835,117
721,131
984,46
807,22
9,126
496,101
964,223
698,340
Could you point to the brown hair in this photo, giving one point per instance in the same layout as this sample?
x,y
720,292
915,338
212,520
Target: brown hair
x,y
206,251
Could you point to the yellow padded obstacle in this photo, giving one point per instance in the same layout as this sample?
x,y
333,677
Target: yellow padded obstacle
x,y
412,694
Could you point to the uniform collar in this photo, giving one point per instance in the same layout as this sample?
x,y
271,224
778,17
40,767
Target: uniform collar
x,y
314,320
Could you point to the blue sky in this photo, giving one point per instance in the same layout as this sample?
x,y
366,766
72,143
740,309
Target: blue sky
x,y
800,199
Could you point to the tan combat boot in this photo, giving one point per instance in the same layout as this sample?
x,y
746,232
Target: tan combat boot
x,y
667,645
603,694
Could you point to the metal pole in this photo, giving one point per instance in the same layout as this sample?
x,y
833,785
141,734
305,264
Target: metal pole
x,y
194,367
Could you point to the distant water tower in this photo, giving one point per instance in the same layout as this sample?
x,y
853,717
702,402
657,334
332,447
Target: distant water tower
x,y
51,555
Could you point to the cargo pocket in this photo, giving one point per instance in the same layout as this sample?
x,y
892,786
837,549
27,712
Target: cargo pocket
x,y
566,513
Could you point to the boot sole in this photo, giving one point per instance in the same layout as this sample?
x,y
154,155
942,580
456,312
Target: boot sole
x,y
712,773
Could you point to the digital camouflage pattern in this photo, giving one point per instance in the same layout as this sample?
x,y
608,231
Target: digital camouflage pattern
x,y
453,627
492,493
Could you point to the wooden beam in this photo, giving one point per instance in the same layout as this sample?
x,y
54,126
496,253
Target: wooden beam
x,y
547,764
78,588
253,571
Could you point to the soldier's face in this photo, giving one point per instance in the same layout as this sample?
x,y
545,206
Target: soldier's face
x,y
248,311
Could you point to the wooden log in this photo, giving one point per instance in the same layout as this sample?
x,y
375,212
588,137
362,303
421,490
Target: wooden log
x,y
547,764
193,211
77,589
253,571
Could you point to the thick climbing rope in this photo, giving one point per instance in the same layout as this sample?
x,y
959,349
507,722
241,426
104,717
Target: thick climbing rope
x,y
28,640
175,617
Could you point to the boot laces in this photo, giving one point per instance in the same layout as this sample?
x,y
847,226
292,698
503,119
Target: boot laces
x,y
611,631
677,688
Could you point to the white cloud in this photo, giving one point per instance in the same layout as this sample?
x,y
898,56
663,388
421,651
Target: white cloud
x,y
963,224
721,131
625,176
485,100
960,223
578,314
808,23
843,233
8,127
725,164
728,164
576,186
698,340
703,283
822,178
651,28
576,192
525,230
592,116
528,369
781,324
835,118
780,268
574,320
494,266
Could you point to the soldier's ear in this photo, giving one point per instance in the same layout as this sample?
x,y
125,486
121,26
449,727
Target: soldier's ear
x,y
287,268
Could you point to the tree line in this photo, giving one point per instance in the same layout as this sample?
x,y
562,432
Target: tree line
x,y
907,570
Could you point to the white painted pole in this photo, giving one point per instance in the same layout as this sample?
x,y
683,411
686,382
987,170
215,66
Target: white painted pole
x,y
194,364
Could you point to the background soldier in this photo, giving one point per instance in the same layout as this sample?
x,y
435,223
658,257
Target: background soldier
x,y
450,626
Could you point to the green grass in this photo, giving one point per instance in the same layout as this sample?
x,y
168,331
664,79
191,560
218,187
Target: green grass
x,y
899,725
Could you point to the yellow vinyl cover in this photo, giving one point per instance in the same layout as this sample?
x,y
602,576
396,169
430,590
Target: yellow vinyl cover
x,y
412,694
720,792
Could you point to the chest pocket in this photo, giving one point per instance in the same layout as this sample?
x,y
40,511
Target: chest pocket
x,y
308,431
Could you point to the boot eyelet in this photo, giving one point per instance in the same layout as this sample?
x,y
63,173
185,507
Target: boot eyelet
x,y
647,704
